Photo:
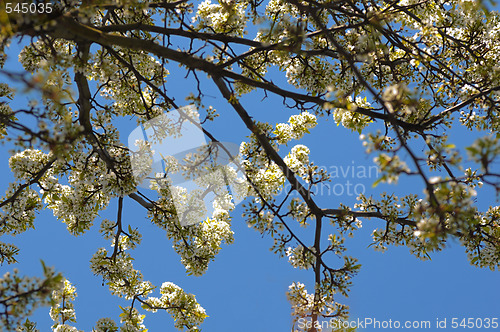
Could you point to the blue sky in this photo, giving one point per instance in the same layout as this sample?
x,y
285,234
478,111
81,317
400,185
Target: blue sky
x,y
244,288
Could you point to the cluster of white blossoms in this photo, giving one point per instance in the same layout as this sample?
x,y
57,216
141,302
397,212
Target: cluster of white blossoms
x,y
348,116
204,244
129,241
377,142
5,111
313,74
455,214
300,211
128,96
297,126
302,303
78,203
89,188
63,310
269,180
196,239
480,246
65,328
277,8
118,272
227,17
181,305
25,164
125,281
301,258
485,151
298,161
19,215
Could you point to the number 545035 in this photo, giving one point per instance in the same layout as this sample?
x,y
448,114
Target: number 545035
x,y
28,8
476,323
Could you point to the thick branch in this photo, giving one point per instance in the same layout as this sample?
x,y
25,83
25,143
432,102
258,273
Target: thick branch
x,y
366,214
141,201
